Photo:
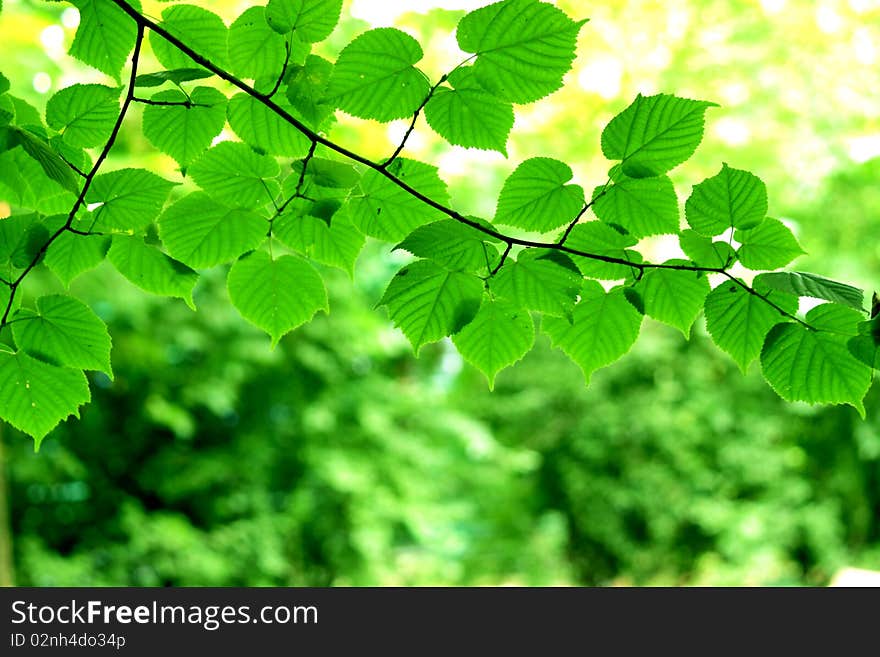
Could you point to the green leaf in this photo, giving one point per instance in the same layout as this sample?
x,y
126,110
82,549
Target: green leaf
x,y
866,345
177,76
643,206
603,239
546,281
130,199
467,115
24,184
803,284
816,366
739,321
64,331
105,36
53,166
381,209
337,245
731,198
704,252
603,328
674,297
255,50
453,245
36,396
151,270
25,113
325,173
499,335
31,245
71,255
655,134
312,20
260,127
233,173
276,295
202,30
769,245
4,84
428,302
84,113
524,47
185,132
307,91
12,231
200,232
536,197
374,76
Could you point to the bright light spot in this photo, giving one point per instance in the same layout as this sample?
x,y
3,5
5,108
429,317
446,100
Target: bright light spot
x,y
773,6
52,37
864,47
396,132
659,58
381,13
735,93
224,135
662,247
828,20
862,149
732,132
91,207
602,76
42,82
677,22
70,18
861,6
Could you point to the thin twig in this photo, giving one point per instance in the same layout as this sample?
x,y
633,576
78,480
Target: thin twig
x,y
129,96
382,168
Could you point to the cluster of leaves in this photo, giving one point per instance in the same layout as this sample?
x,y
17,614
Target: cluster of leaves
x,y
286,197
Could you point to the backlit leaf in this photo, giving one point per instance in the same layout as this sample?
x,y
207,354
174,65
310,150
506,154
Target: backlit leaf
x,y
769,245
64,331
374,76
730,199
499,335
84,113
276,295
234,174
200,232
536,196
545,281
105,35
185,132
151,270
36,396
524,47
604,327
816,366
311,20
428,302
130,199
380,208
739,321
465,114
655,134
202,30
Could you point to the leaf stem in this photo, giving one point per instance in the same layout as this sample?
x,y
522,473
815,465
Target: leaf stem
x,y
126,103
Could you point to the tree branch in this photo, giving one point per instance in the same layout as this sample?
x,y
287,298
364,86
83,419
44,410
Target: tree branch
x,y
382,169
126,103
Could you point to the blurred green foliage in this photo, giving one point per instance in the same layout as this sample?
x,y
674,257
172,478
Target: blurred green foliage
x,y
338,458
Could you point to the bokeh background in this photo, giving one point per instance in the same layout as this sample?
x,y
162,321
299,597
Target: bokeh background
x,y
340,459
